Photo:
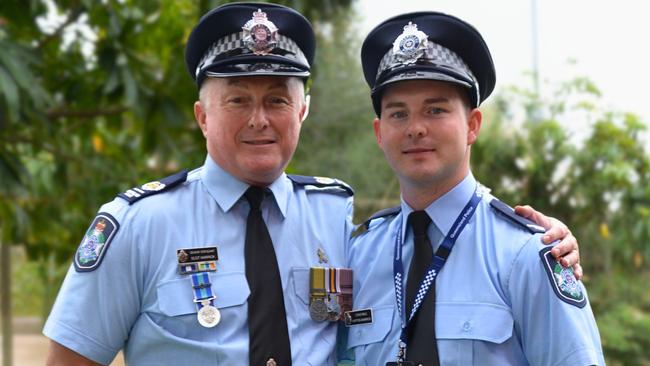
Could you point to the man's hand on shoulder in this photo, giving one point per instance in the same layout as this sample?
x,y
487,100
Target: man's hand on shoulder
x,y
567,250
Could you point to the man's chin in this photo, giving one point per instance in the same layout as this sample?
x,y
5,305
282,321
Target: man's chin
x,y
261,172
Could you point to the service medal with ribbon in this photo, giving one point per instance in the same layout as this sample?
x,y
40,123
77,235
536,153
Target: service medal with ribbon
x,y
260,34
330,293
318,310
208,316
410,45
317,293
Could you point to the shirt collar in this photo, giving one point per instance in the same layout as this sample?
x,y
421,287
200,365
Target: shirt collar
x,y
444,211
227,190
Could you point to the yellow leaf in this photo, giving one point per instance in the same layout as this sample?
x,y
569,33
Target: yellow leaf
x,y
604,231
98,143
638,259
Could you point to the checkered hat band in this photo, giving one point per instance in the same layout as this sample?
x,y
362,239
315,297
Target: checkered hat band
x,y
235,41
434,53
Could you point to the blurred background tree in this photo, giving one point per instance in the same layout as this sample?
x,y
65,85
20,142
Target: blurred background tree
x,y
95,97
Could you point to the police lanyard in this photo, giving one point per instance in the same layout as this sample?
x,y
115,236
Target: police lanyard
x,y
434,268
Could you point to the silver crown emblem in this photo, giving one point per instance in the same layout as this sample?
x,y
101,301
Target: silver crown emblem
x,y
410,45
260,33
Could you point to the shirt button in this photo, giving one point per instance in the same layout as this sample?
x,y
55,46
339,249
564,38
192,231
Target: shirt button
x,y
467,326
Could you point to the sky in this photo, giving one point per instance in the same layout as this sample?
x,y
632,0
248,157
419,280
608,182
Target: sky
x,y
608,40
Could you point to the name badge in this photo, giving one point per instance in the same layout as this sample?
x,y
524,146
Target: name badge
x,y
358,317
195,260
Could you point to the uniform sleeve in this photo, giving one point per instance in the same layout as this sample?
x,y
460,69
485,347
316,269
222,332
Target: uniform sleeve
x,y
552,330
94,310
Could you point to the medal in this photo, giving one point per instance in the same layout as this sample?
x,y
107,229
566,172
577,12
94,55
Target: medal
x,y
318,310
333,308
208,316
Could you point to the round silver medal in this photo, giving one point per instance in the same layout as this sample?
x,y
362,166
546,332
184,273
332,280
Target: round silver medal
x,y
209,316
318,310
333,310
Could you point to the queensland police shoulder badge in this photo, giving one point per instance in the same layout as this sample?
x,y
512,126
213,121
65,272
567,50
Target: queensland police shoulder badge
x,y
95,243
563,281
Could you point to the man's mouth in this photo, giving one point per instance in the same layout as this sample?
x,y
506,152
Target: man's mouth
x,y
262,141
417,150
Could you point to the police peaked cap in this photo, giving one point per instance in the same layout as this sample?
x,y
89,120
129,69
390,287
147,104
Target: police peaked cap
x,y
427,46
225,43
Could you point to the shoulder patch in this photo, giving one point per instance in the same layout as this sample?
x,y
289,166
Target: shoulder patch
x,y
391,211
321,182
95,243
148,189
509,213
564,283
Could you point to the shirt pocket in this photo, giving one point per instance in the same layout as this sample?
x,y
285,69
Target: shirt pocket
x,y
372,334
462,327
300,281
176,297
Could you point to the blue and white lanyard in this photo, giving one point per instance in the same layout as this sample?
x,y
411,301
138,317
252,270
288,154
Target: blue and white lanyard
x,y
202,289
439,259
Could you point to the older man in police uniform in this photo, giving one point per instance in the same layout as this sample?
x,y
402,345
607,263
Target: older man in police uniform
x,y
235,262
500,297
211,267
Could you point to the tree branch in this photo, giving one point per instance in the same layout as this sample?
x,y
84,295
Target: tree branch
x,y
61,112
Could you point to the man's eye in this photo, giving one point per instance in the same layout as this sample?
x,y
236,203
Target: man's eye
x,y
279,100
436,110
398,115
236,100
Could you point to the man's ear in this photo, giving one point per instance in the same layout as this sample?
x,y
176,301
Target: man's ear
x,y
474,120
200,117
305,108
375,126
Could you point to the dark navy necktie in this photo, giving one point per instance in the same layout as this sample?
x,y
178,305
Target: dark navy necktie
x,y
267,319
421,347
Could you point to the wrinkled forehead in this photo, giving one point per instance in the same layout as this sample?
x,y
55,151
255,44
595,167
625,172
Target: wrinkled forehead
x,y
261,82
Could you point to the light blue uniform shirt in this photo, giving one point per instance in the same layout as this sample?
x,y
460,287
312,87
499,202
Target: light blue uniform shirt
x,y
494,301
137,301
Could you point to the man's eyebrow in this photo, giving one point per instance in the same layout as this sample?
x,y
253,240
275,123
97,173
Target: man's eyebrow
x,y
238,83
436,100
395,105
282,86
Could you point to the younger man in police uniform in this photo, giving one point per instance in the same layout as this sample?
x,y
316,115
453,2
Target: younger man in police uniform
x,y
499,298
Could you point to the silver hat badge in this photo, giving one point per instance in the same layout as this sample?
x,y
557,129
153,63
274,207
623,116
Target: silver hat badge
x,y
260,34
410,45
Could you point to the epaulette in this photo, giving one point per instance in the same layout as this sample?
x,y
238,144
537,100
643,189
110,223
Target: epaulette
x,y
509,213
148,189
321,182
391,211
